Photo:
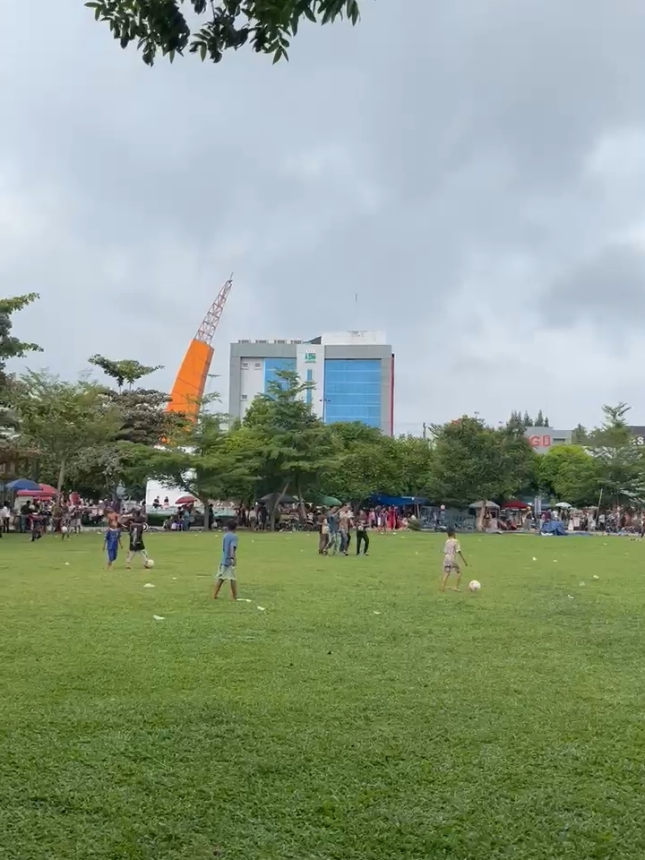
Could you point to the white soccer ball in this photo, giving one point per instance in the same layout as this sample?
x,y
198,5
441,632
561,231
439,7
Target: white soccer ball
x,y
150,563
64,530
474,585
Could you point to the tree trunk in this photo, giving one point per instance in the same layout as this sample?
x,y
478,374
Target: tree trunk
x,y
301,505
479,522
61,477
276,504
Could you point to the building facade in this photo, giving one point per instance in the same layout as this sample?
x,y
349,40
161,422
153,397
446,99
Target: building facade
x,y
542,439
639,434
351,375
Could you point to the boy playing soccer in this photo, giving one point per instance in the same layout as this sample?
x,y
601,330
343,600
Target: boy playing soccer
x,y
227,563
451,550
137,527
112,538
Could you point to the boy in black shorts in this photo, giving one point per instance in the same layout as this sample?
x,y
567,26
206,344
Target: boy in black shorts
x,y
137,526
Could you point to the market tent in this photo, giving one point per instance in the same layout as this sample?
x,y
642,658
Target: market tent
x,y
185,500
324,501
487,504
23,484
40,495
515,505
553,527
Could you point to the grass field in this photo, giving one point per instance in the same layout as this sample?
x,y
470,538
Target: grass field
x,y
510,724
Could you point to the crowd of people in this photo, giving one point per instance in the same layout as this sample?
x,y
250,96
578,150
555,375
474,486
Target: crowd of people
x,y
335,529
39,517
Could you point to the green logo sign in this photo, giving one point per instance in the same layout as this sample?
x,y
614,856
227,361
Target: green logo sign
x,y
310,356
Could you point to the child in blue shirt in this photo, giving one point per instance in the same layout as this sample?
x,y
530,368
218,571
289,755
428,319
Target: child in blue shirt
x,y
111,544
226,569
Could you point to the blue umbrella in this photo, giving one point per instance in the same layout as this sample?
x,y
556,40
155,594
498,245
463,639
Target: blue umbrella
x,y
22,484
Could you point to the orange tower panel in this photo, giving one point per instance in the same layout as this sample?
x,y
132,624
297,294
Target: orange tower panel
x,y
190,383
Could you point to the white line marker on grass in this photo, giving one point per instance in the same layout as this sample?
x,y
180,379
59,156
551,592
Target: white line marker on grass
x,y
159,617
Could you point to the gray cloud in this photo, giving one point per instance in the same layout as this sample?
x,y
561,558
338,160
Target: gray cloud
x,y
608,286
457,166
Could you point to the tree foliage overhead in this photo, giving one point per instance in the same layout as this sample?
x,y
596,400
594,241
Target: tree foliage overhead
x,y
473,462
11,452
621,461
525,420
126,370
297,450
203,461
208,28
571,474
63,419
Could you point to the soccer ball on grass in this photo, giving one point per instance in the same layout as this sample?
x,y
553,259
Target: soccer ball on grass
x,y
149,563
474,586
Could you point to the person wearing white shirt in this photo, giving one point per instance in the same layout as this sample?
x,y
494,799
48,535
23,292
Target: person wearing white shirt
x,y
5,518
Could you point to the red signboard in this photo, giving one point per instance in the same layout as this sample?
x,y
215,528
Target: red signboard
x,y
540,441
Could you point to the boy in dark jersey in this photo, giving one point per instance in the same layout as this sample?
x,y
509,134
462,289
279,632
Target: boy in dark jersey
x,y
137,527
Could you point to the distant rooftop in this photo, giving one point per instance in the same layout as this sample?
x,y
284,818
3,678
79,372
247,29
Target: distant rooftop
x,y
337,338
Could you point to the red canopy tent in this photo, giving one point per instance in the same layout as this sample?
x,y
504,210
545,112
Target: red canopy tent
x,y
515,505
46,491
185,500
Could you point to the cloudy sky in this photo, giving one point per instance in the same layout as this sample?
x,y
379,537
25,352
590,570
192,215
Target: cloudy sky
x,y
474,170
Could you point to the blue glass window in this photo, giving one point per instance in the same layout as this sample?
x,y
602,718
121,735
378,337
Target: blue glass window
x,y
353,391
273,365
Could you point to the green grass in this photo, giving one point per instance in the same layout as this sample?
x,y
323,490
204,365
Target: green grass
x,y
510,724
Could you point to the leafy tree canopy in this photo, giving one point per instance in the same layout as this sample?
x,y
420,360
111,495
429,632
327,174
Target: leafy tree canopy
x,y
204,461
621,461
63,419
11,452
473,462
126,370
570,474
208,28
297,449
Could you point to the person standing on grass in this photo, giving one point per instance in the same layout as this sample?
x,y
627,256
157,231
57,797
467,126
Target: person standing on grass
x,y
112,518
65,522
136,527
76,521
451,550
344,526
228,561
112,543
323,532
5,517
362,537
332,523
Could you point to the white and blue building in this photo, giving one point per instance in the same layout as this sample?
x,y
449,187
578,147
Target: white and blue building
x,y
351,375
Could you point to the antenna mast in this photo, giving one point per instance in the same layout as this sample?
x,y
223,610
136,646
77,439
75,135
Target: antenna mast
x,y
207,329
